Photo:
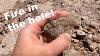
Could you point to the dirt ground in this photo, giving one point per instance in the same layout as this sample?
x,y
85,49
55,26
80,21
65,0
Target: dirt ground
x,y
83,23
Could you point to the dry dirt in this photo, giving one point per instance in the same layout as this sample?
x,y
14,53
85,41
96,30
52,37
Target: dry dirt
x,y
83,24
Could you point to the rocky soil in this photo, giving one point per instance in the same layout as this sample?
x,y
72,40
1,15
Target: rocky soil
x,y
83,23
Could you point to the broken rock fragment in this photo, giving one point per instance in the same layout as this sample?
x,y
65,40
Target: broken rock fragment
x,y
1,27
80,33
96,38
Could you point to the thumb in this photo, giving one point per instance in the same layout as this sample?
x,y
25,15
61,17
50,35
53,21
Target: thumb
x,y
60,43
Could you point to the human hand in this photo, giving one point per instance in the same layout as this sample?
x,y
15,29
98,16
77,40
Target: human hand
x,y
30,41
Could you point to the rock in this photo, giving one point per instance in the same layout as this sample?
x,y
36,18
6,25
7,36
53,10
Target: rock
x,y
1,27
1,18
73,35
96,38
93,46
1,38
80,33
98,48
75,40
90,36
42,1
4,45
98,30
91,30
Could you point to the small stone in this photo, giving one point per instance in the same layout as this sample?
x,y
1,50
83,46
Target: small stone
x,y
90,36
96,38
98,48
4,45
1,27
75,40
1,38
80,33
91,30
42,1
73,35
98,30
93,46
1,18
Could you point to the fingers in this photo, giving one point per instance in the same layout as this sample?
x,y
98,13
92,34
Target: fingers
x,y
60,43
36,27
57,14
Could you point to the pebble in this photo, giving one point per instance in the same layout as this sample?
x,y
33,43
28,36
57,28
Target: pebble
x,y
96,38
93,46
75,40
1,18
42,1
1,38
73,35
90,36
98,30
1,27
98,48
80,33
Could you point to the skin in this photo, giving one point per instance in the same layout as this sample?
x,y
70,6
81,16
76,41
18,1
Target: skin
x,y
30,41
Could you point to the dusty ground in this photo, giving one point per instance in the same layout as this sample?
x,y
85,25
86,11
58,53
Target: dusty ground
x,y
82,24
